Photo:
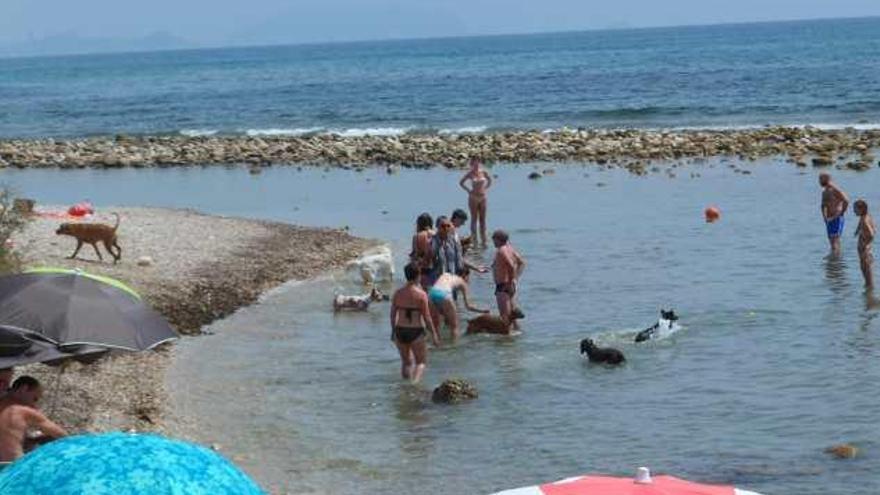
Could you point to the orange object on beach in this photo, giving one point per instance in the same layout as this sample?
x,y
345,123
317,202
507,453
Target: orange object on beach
x,y
81,209
712,214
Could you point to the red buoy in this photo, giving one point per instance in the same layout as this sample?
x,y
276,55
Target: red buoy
x,y
712,214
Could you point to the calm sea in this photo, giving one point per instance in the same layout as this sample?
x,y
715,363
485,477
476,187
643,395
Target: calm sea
x,y
818,72
778,358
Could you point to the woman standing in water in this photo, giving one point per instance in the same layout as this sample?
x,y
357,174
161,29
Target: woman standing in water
x,y
480,182
410,315
422,255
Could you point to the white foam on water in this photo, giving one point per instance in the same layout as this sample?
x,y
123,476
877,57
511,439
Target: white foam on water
x,y
297,131
371,131
198,132
464,130
480,129
754,127
864,126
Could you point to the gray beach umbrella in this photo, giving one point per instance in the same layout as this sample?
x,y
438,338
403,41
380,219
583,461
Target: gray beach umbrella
x,y
73,308
19,348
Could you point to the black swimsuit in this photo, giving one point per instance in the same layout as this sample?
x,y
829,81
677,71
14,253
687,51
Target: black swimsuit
x,y
505,288
407,335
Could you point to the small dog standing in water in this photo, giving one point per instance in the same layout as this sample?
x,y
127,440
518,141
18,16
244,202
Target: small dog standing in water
x,y
93,233
596,354
358,303
493,324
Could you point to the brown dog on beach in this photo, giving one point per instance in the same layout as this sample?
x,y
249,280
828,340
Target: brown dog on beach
x,y
93,233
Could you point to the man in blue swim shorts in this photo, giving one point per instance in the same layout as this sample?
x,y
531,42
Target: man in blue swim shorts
x,y
834,205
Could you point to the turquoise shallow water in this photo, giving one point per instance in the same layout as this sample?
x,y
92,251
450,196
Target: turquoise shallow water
x,y
777,360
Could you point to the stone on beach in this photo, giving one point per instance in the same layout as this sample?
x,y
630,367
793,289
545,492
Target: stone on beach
x,y
454,390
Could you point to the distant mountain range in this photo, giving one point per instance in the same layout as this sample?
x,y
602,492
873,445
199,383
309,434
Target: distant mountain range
x,y
72,43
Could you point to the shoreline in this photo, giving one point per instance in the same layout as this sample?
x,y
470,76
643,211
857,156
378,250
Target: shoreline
x,y
204,268
631,149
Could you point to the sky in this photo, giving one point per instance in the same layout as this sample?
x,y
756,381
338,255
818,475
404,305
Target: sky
x,y
202,23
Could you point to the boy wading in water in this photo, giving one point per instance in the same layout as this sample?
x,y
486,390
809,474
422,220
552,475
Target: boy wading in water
x,y
834,205
865,233
507,268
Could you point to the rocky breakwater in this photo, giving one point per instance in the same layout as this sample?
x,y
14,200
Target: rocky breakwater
x,y
632,149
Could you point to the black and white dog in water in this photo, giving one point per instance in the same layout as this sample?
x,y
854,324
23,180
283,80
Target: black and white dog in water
x,y
664,327
596,354
358,303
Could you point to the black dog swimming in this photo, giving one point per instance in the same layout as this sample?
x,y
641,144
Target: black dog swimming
x,y
664,326
606,355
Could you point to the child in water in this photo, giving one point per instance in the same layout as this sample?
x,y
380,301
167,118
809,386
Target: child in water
x,y
865,233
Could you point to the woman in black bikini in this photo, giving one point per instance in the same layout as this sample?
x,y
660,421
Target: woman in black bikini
x,y
410,314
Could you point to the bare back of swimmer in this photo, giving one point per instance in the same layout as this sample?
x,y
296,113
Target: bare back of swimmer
x,y
410,315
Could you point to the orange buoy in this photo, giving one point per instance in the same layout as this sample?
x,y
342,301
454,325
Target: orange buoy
x,y
712,214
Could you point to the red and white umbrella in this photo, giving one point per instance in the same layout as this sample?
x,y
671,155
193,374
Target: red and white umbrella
x,y
642,484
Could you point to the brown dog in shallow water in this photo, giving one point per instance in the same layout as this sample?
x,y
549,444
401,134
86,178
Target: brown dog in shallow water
x,y
488,324
93,233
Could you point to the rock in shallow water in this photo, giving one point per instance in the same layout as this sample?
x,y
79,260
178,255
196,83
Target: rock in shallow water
x,y
453,391
823,161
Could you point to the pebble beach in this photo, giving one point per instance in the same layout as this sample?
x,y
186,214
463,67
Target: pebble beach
x,y
634,150
194,269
